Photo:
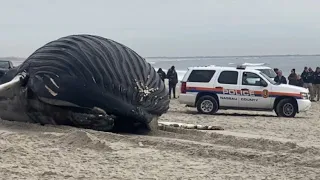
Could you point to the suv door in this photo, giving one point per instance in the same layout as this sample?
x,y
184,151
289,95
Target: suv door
x,y
227,86
254,94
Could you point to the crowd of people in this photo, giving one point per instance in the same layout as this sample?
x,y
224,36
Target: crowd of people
x,y
172,77
308,79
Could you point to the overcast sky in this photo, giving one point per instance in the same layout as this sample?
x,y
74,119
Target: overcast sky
x,y
166,27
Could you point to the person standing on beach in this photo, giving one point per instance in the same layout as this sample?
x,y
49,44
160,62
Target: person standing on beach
x,y
299,81
304,76
292,77
316,84
173,80
311,77
280,78
307,77
162,74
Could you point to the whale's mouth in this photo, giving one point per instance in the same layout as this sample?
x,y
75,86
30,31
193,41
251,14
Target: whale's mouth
x,y
9,89
10,103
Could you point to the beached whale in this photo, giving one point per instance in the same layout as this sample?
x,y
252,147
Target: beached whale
x,y
84,81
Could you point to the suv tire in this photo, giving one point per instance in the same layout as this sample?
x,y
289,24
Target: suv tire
x,y
207,105
286,108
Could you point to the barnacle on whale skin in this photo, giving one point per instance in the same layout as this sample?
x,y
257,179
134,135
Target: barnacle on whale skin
x,y
145,90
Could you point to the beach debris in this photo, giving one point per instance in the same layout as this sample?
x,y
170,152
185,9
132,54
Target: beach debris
x,y
201,127
189,126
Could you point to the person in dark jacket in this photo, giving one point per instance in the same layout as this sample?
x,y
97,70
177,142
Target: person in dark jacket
x,y
311,89
316,83
308,77
299,81
311,73
292,77
173,80
280,78
304,75
162,74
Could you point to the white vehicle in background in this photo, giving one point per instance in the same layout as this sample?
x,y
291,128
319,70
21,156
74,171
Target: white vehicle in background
x,y
212,88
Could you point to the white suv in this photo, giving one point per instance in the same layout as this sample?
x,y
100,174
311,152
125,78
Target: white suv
x,y
214,87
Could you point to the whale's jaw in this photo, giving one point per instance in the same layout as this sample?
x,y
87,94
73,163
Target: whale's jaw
x,y
13,99
10,88
13,87
13,109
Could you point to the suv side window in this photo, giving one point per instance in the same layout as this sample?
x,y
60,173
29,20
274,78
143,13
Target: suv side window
x,y
201,76
251,79
228,77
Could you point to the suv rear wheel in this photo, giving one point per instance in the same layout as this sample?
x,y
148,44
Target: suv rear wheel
x,y
207,105
286,108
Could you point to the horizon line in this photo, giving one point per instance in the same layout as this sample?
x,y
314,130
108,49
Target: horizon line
x,y
205,56
211,56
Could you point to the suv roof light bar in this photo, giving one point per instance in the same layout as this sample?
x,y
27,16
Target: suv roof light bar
x,y
241,67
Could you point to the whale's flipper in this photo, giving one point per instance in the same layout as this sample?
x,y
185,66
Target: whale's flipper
x,y
99,122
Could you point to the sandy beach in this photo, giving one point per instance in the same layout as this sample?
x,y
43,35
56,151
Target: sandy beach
x,y
253,145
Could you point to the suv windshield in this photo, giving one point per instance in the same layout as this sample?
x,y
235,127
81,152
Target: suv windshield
x,y
4,64
269,72
268,78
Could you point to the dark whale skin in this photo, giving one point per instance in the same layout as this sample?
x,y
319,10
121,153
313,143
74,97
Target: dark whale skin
x,y
79,72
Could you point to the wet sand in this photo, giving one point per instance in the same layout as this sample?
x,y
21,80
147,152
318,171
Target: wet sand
x,y
253,145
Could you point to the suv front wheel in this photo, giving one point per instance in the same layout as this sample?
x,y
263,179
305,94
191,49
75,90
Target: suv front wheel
x,y
207,105
286,108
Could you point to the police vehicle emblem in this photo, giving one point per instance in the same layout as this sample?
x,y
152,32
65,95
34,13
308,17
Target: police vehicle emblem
x,y
265,93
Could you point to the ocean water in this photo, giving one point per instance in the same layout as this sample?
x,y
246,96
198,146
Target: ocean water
x,y
284,63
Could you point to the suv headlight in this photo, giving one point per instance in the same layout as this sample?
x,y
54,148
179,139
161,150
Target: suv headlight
x,y
304,95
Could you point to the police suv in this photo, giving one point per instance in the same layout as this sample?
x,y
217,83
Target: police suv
x,y
214,87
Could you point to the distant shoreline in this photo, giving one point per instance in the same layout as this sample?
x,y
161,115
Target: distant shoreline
x,y
187,57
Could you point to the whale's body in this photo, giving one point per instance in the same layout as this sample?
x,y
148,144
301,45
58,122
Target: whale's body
x,y
84,81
